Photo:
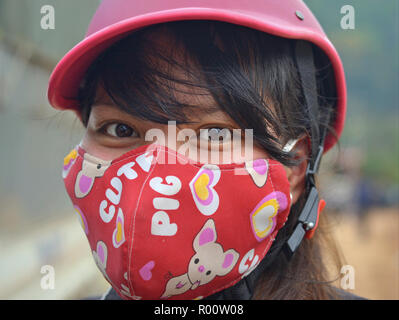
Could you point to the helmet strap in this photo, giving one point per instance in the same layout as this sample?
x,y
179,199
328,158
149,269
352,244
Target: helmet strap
x,y
308,218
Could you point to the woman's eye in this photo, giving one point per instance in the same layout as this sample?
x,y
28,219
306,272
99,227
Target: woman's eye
x,y
216,134
120,130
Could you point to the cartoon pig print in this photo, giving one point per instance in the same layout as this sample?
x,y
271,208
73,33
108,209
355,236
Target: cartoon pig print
x,y
92,168
209,261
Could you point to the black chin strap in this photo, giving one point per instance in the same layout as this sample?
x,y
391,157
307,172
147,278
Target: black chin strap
x,y
307,219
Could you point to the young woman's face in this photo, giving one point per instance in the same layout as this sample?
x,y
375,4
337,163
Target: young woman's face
x,y
111,132
210,137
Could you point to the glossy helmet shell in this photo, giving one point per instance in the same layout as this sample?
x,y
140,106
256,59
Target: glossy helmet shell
x,y
114,19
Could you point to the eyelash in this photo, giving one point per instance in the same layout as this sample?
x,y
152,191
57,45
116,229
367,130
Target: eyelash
x,y
209,134
104,130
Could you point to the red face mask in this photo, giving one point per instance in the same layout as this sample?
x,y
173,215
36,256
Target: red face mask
x,y
181,230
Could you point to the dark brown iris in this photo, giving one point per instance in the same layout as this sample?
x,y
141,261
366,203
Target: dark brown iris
x,y
123,130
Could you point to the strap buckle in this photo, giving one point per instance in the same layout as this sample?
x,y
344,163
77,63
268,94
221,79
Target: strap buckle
x,y
313,167
309,217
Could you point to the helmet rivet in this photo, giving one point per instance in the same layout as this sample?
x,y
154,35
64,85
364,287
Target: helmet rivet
x,y
299,14
309,225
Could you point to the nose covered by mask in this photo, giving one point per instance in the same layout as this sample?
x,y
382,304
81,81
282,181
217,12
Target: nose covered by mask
x,y
162,229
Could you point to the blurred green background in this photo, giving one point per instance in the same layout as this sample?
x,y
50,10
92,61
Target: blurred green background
x,y
37,223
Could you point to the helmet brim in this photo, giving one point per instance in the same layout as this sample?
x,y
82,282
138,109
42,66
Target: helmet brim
x,y
67,76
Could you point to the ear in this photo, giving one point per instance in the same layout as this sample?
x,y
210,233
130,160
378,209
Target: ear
x,y
296,175
206,235
229,261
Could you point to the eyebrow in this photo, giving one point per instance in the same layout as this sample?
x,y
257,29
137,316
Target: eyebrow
x,y
211,109
197,114
103,103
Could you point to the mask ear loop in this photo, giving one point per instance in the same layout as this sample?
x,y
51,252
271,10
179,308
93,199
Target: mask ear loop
x,y
290,145
287,148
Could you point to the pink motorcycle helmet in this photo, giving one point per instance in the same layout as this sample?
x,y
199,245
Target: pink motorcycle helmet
x,y
115,19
